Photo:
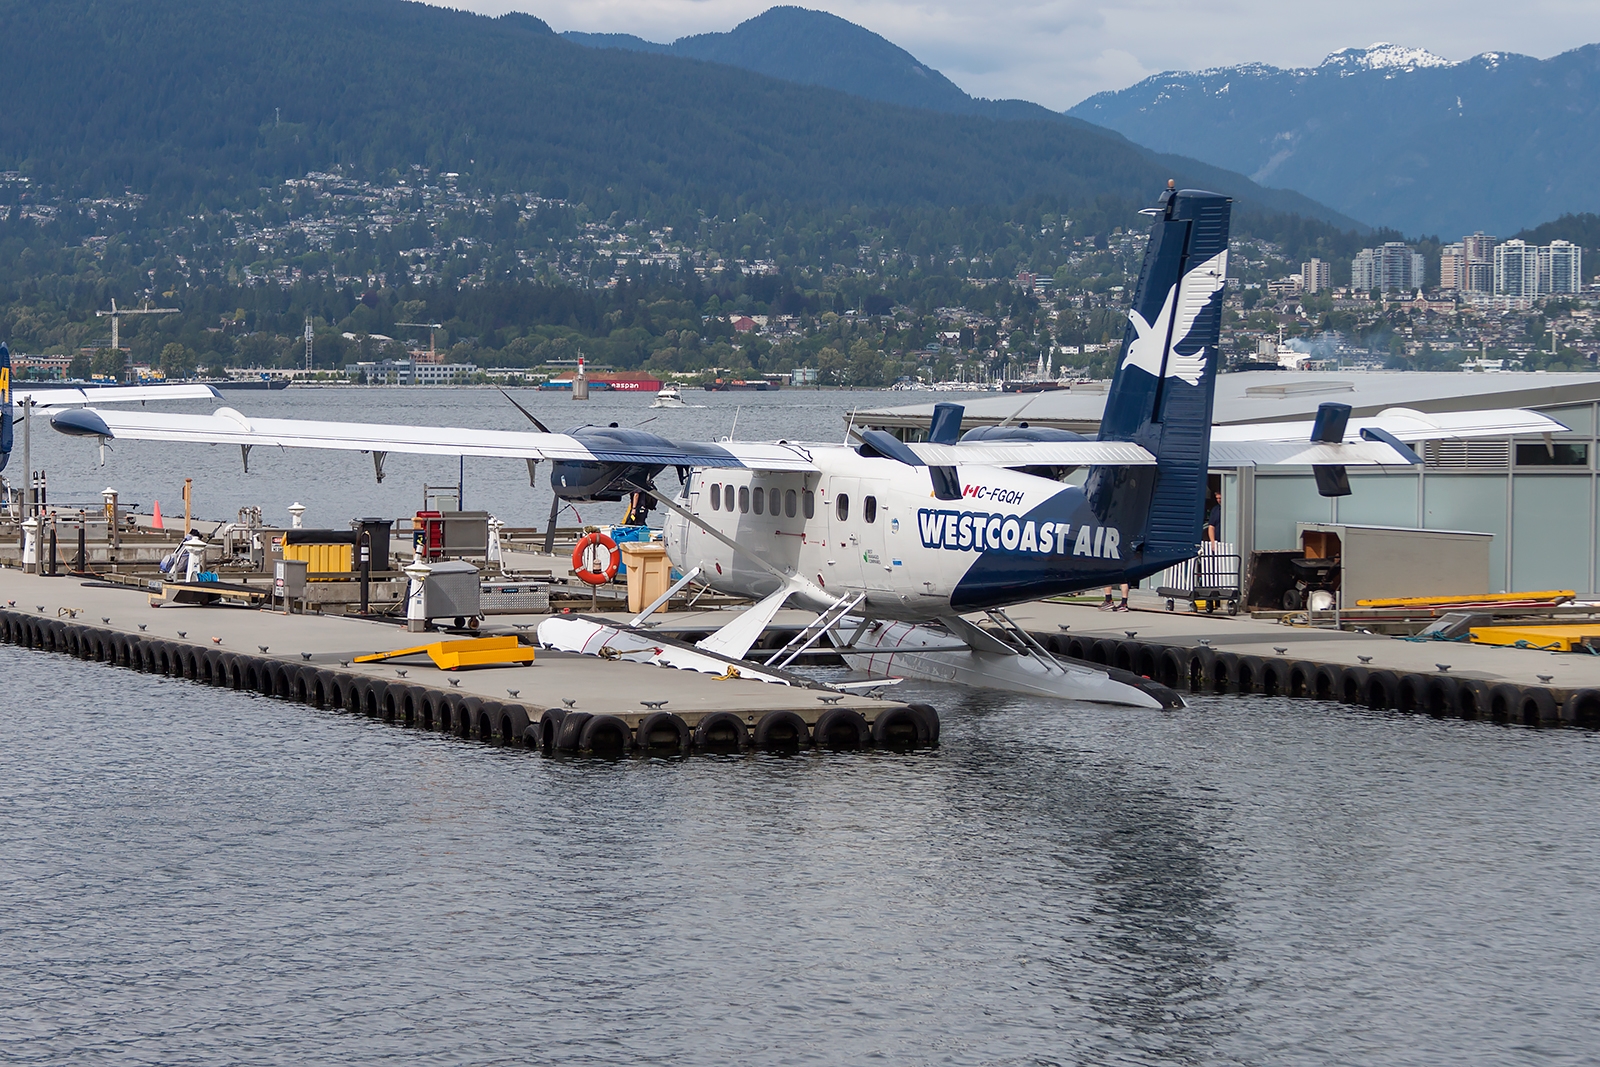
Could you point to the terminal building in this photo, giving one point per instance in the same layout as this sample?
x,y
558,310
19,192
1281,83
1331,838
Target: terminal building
x,y
1537,497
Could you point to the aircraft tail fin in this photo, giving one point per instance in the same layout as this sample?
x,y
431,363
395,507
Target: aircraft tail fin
x,y
5,404
1162,394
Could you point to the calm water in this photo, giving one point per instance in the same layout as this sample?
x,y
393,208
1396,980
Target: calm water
x,y
194,876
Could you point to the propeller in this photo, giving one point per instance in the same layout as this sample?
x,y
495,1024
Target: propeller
x,y
542,427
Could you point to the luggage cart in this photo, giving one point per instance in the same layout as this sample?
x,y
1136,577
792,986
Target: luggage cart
x,y
1209,580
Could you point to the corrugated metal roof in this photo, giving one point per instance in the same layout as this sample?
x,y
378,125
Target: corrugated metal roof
x,y
1274,396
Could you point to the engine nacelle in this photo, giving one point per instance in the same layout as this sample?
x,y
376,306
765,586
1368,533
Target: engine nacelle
x,y
1023,432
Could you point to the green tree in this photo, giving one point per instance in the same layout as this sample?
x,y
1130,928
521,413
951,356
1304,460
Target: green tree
x,y
831,367
866,365
177,361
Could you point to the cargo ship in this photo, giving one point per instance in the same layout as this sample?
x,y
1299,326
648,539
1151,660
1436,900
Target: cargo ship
x,y
617,383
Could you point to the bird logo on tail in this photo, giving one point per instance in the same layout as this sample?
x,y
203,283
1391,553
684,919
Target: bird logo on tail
x,y
1192,293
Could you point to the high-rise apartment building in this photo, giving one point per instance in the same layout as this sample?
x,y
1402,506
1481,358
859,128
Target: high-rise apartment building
x,y
1392,268
1364,271
1316,276
1560,269
1453,267
1478,252
1516,269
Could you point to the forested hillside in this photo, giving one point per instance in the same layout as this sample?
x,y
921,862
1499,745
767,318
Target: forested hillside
x,y
197,100
371,162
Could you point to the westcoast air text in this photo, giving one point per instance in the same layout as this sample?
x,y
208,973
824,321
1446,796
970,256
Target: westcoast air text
x,y
966,531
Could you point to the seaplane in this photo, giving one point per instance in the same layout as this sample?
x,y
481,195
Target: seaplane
x,y
907,553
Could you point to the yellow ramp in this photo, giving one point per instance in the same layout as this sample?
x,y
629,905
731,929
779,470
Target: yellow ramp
x,y
469,652
1559,638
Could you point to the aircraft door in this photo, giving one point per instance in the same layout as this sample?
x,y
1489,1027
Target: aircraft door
x,y
842,564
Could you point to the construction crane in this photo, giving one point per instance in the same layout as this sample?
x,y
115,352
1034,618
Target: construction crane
x,y
116,314
433,356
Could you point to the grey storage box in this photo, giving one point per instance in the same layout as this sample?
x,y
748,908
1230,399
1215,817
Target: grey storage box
x,y
451,590
466,533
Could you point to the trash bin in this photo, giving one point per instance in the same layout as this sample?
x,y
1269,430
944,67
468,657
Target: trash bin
x,y
380,530
649,572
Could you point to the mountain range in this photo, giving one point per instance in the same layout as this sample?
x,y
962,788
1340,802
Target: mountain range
x,y
191,101
1390,135
818,48
1394,136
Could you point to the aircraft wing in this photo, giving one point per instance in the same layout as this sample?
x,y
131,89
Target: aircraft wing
x,y
229,426
114,394
1405,424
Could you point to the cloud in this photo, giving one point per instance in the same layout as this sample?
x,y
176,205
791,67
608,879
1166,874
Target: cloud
x,y
1056,52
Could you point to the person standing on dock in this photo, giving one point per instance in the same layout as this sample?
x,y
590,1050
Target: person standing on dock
x,y
1110,605
1213,527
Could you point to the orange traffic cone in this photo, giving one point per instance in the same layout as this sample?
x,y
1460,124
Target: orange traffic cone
x,y
155,518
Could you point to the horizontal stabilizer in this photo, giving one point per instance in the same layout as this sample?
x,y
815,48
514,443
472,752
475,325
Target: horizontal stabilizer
x,y
1405,424
1035,454
1309,453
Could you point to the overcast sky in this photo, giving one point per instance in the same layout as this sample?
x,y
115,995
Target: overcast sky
x,y
1056,52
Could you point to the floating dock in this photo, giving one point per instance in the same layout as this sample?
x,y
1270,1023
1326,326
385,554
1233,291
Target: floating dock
x,y
558,703
551,703
1239,654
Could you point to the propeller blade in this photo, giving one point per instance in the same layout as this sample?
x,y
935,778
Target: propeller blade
x,y
542,427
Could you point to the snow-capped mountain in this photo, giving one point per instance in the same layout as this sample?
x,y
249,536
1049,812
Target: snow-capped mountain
x,y
1384,56
1393,135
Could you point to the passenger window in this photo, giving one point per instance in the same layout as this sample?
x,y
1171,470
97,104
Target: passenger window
x,y
869,508
789,503
716,498
744,499
841,506
775,500
760,500
810,499
727,497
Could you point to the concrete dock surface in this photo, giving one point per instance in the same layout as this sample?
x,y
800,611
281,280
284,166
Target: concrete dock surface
x,y
1246,636
598,686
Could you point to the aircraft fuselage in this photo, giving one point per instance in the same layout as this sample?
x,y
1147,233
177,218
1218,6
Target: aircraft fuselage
x,y
867,524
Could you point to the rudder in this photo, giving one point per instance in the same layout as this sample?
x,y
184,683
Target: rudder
x,y
1162,395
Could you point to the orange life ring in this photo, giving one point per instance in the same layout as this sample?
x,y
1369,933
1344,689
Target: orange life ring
x,y
596,575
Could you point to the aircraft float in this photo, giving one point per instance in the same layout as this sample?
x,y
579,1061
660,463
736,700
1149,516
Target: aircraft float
x,y
894,544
